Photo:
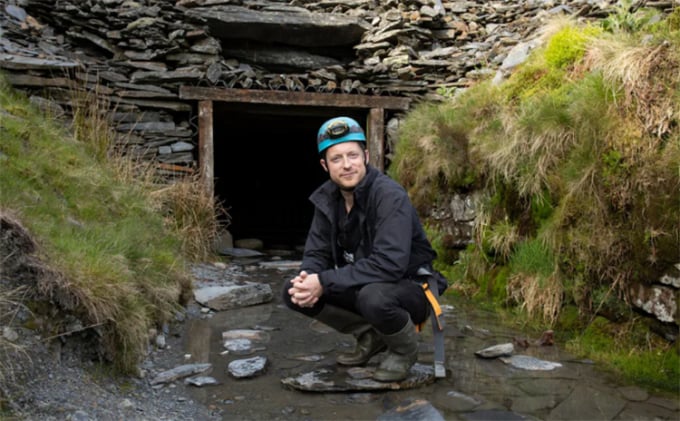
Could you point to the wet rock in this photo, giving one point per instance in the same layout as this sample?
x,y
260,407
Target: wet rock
x,y
160,341
339,379
541,387
361,398
180,372
496,351
633,393
533,404
216,273
249,243
239,346
201,381
238,252
526,362
590,401
249,334
247,367
670,404
281,264
244,316
459,402
643,411
418,409
307,357
494,415
225,297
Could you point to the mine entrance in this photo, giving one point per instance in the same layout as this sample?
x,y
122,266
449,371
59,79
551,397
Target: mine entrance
x,y
257,153
266,166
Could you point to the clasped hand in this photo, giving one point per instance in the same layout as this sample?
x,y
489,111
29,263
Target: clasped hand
x,y
305,290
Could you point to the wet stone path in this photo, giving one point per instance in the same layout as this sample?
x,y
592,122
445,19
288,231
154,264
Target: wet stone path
x,y
294,377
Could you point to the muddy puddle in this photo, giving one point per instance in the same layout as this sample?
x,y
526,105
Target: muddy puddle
x,y
474,389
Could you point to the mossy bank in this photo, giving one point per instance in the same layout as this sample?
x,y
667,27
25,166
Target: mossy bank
x,y
574,161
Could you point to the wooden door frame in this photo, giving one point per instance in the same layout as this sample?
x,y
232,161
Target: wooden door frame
x,y
375,120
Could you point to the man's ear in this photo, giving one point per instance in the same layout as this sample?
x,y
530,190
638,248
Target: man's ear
x,y
366,156
323,164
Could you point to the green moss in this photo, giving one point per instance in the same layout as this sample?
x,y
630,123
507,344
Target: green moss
x,y
569,45
569,320
579,163
531,79
627,349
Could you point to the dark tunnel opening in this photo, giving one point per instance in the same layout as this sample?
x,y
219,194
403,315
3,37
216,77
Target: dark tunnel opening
x,y
265,168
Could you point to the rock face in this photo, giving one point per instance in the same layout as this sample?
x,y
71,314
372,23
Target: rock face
x,y
136,55
284,26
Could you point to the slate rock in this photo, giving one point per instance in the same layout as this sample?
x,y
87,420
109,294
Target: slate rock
x,y
339,379
179,372
412,410
226,297
496,351
530,363
494,415
248,367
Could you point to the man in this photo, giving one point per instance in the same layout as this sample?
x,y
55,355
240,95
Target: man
x,y
362,254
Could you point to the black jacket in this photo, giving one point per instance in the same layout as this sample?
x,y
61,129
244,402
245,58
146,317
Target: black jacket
x,y
393,241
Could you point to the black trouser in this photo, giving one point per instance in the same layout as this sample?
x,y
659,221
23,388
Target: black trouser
x,y
386,306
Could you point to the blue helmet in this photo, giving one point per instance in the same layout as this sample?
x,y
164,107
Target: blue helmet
x,y
339,130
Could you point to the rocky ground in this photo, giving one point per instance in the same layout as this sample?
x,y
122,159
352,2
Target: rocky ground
x,y
53,380
57,385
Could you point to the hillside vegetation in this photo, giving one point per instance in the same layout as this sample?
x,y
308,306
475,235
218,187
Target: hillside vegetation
x,y
577,154
91,244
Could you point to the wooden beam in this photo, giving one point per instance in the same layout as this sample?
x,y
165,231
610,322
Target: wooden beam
x,y
206,156
375,127
255,96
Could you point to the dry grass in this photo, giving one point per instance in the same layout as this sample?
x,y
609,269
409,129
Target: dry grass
x,y
537,296
193,213
647,76
91,125
536,146
502,238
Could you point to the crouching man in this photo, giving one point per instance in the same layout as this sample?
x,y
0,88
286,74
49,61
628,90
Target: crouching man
x,y
359,272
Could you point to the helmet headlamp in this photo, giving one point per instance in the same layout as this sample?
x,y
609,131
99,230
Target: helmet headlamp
x,y
339,130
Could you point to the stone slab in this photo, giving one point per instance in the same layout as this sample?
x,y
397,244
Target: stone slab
x,y
356,379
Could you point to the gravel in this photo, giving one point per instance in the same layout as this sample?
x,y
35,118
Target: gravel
x,y
58,381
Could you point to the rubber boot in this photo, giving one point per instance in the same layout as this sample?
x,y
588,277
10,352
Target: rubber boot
x,y
368,341
402,353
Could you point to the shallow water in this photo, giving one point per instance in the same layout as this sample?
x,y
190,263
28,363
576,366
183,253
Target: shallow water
x,y
474,389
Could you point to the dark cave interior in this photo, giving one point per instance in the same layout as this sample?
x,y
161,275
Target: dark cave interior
x,y
266,166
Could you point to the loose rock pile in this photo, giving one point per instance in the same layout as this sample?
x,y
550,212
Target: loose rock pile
x,y
136,55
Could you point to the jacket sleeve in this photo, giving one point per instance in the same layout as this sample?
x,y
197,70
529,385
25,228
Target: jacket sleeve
x,y
389,256
318,253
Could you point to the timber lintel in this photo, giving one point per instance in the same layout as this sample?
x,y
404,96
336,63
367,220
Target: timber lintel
x,y
255,96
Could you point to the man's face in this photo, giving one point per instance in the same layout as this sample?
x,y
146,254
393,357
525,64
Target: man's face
x,y
346,164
